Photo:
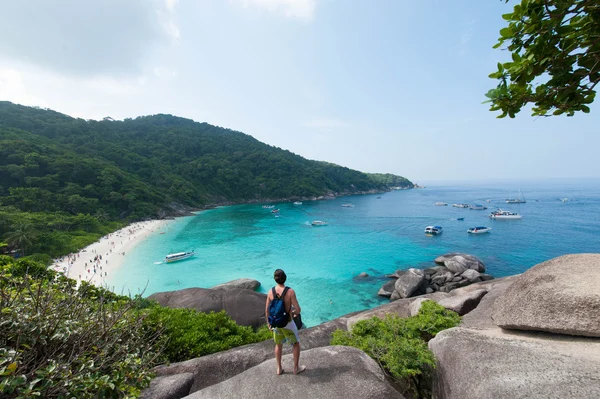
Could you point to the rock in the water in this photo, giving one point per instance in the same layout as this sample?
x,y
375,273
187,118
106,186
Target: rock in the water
x,y
240,283
559,296
490,364
410,282
396,274
244,306
332,372
458,262
463,303
387,289
363,274
169,387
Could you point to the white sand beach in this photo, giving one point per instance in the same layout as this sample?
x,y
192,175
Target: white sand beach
x,y
96,262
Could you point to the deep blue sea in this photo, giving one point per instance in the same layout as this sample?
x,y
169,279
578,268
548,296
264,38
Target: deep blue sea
x,y
376,236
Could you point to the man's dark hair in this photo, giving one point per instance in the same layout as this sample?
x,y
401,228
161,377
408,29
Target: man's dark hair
x,y
279,276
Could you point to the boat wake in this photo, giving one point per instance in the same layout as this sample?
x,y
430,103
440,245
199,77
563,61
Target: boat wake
x,y
158,263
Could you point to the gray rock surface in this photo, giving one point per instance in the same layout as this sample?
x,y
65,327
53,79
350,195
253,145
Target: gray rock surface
x,y
332,372
387,289
218,367
458,262
410,282
240,283
559,296
482,364
463,302
169,387
471,275
244,306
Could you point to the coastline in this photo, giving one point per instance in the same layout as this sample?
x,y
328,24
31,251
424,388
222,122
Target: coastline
x,y
98,261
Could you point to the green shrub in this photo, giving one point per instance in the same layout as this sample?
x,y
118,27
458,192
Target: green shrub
x,y
399,345
59,342
188,333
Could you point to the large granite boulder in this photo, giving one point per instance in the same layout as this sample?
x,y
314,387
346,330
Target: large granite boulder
x,y
240,283
169,387
387,289
458,262
244,306
217,367
463,302
410,282
561,296
492,364
332,372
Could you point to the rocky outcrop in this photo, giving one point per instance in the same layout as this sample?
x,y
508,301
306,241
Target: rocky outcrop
x,y
561,295
332,372
244,306
457,270
409,283
240,283
458,262
169,387
482,364
217,367
463,304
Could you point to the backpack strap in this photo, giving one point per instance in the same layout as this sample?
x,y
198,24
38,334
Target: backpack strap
x,y
285,290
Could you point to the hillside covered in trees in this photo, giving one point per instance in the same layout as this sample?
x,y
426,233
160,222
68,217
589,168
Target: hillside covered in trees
x,y
60,174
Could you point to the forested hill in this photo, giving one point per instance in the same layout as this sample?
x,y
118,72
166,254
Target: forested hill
x,y
151,166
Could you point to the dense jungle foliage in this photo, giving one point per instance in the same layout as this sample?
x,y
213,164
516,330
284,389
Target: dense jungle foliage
x,y
64,182
58,340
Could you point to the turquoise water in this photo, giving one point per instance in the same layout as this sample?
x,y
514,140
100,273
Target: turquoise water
x,y
376,236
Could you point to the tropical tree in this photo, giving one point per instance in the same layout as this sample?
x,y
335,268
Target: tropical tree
x,y
21,237
555,48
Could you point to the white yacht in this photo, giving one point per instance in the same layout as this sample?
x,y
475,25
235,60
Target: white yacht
x,y
433,230
500,214
348,205
461,205
318,223
479,230
439,203
178,256
298,203
268,206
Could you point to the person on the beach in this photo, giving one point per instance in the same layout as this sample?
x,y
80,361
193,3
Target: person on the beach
x,y
290,331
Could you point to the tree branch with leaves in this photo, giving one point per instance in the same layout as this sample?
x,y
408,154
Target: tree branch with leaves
x,y
555,48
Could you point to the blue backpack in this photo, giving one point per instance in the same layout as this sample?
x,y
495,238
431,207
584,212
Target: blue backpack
x,y
278,315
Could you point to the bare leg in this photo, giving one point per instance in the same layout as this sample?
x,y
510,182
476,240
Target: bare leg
x,y
278,348
296,353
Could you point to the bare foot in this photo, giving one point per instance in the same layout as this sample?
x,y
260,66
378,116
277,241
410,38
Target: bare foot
x,y
279,371
299,369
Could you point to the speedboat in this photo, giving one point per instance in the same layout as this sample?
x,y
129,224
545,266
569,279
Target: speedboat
x,y
433,230
318,223
275,211
564,199
460,205
348,205
479,230
178,256
478,207
439,203
298,203
500,214
268,206
460,219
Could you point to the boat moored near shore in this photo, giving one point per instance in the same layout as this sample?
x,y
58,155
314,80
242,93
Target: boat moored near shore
x,y
479,230
500,214
170,258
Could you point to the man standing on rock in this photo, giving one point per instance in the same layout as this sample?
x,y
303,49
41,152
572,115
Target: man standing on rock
x,y
288,333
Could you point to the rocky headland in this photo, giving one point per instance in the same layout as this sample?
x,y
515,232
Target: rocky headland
x,y
534,335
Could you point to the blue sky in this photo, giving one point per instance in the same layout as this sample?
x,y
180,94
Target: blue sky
x,y
380,86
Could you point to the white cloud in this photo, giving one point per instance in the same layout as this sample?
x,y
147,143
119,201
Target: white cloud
x,y
166,18
301,9
12,88
325,123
